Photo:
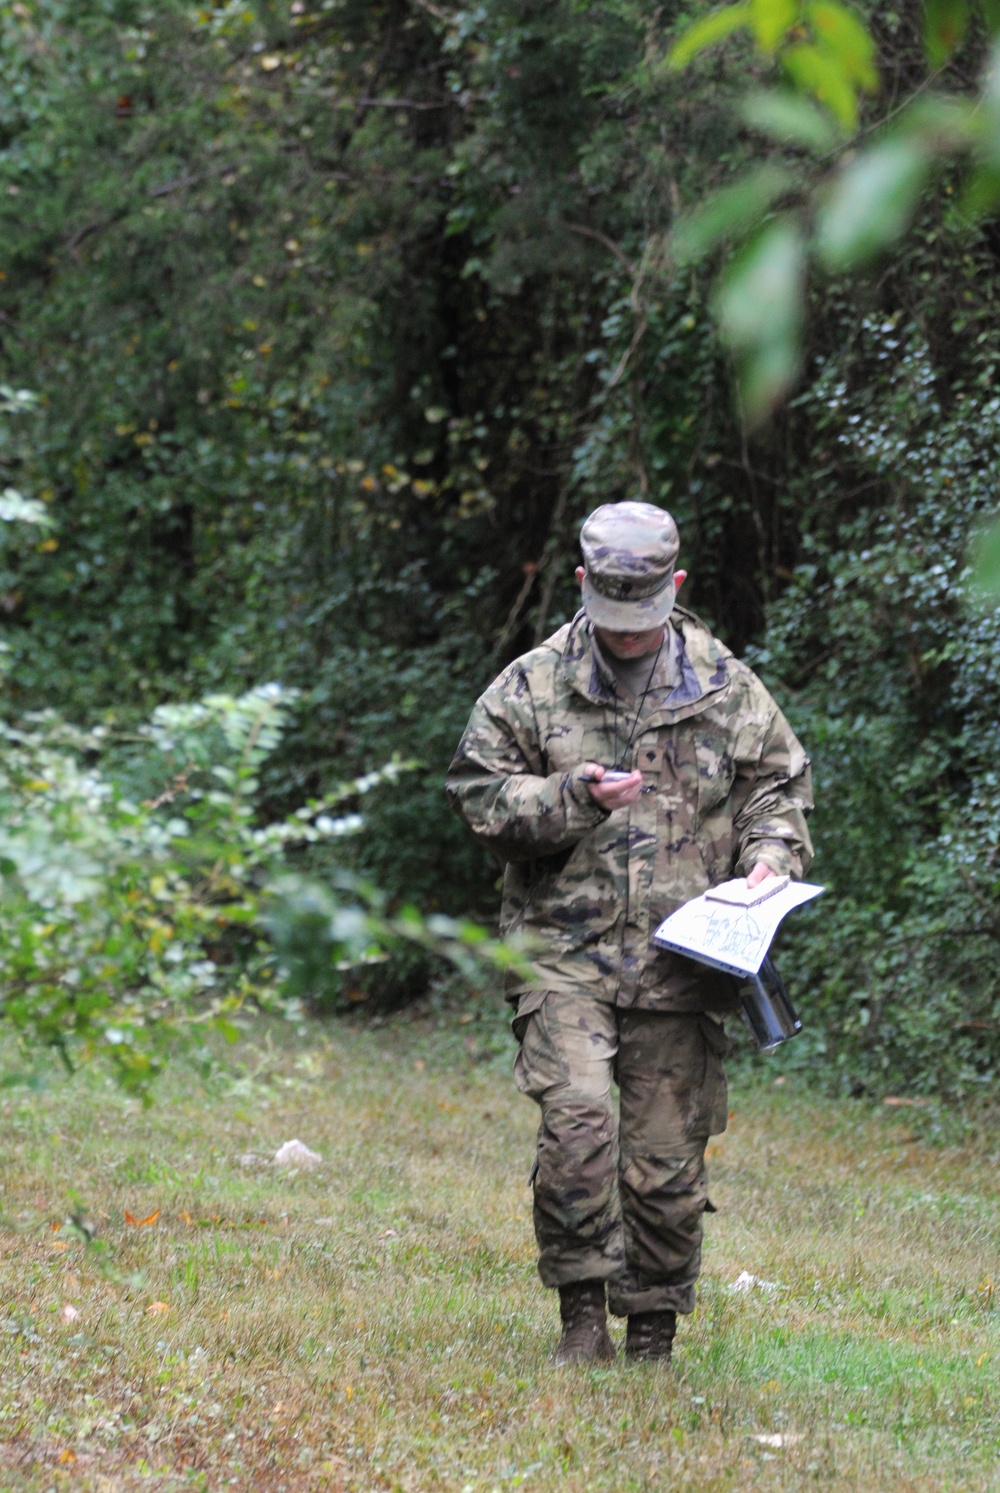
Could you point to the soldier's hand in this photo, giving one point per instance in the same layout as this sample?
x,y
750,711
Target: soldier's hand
x,y
616,795
759,873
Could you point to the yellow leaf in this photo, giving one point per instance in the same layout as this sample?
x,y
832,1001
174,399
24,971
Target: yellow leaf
x,y
269,63
706,32
48,546
846,37
770,20
142,1223
67,1457
160,937
157,1309
817,71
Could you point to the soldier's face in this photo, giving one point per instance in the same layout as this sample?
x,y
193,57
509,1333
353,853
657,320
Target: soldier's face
x,y
632,644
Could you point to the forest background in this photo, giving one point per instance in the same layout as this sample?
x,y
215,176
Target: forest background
x,y
322,326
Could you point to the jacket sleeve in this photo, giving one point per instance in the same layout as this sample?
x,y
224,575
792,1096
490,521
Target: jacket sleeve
x,y
498,782
771,796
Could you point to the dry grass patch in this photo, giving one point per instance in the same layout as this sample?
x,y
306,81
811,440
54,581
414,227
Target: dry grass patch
x,y
377,1324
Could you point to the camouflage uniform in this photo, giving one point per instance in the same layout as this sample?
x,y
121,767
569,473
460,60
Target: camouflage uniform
x,y
726,784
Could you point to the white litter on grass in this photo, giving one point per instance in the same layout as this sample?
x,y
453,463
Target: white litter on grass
x,y
294,1153
778,1438
747,1282
69,1313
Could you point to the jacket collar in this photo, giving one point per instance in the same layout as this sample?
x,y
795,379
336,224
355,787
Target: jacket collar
x,y
704,667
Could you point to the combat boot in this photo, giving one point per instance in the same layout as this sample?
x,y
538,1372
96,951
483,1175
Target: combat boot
x,y
584,1325
649,1337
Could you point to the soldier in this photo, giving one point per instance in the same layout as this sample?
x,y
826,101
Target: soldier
x,y
715,785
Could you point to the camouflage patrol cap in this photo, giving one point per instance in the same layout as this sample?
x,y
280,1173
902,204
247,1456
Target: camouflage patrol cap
x,y
629,553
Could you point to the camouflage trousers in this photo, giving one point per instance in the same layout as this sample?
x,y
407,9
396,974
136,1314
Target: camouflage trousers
x,y
622,1201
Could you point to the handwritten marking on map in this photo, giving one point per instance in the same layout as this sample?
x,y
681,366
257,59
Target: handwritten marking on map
x,y
730,938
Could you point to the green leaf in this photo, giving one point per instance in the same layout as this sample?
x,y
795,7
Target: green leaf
x,y
790,119
984,556
945,25
945,121
990,11
771,20
872,201
766,375
760,309
990,109
815,70
845,35
981,197
705,33
758,296
729,212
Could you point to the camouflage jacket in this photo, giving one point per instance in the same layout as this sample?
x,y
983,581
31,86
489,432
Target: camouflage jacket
x,y
730,786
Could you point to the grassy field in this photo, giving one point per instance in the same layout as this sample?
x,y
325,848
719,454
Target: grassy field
x,y
377,1323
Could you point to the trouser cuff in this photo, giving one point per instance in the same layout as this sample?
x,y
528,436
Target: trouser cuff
x,y
624,1302
588,1264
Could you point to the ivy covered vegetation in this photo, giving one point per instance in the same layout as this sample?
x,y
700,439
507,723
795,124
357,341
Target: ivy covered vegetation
x,y
323,324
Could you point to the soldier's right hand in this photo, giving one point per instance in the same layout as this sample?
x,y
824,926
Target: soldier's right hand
x,y
616,795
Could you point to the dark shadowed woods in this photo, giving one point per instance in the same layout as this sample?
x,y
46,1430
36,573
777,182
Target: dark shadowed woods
x,y
322,326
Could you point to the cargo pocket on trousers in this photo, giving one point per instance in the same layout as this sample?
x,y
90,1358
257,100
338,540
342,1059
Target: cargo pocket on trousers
x,y
527,1005
714,1105
533,1065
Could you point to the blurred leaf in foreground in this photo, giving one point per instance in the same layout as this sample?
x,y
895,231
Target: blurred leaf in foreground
x,y
872,201
791,120
760,309
707,31
729,212
945,25
844,35
984,554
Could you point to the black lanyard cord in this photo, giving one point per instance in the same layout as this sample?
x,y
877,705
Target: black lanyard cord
x,y
621,760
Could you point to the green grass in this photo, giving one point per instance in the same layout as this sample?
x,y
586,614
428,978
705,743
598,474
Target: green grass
x,y
378,1324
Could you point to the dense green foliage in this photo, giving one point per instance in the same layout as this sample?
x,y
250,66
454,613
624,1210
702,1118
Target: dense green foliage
x,y
342,316
130,929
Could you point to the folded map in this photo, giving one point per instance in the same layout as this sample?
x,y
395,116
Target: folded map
x,y
729,936
739,894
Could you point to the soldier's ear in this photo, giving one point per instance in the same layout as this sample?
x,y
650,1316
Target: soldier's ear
x,y
580,573
680,576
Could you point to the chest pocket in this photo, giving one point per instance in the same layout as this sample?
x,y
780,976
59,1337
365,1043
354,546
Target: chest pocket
x,y
563,748
716,769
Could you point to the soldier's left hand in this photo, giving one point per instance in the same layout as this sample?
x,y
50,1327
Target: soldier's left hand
x,y
759,873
